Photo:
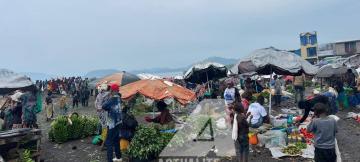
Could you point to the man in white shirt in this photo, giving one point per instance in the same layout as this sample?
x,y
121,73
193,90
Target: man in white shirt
x,y
257,113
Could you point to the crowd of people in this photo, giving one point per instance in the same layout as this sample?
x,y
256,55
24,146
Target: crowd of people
x,y
242,115
242,112
76,87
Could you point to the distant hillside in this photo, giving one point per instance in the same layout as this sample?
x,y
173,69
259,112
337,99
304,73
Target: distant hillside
x,y
158,70
221,60
224,61
100,73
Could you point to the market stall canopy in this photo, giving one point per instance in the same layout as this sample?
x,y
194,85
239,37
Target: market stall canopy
x,y
121,78
352,61
11,81
203,72
157,89
268,60
331,70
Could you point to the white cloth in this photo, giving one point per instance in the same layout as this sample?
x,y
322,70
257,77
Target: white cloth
x,y
235,128
257,111
229,95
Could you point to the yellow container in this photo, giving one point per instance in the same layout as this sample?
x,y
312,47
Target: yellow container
x,y
124,144
103,134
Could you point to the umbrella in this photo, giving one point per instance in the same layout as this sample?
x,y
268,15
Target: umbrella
x,y
203,72
331,70
11,81
157,89
268,60
121,78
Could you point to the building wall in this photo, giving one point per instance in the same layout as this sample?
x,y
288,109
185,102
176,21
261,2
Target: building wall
x,y
304,46
340,48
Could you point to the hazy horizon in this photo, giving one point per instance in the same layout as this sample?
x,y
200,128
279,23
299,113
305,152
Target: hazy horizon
x,y
74,37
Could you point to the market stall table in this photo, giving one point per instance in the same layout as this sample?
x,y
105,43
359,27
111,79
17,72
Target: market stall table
x,y
13,141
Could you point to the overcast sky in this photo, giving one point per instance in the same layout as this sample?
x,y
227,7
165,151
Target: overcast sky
x,y
76,36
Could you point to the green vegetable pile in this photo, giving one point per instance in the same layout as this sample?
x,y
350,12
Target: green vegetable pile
x,y
301,145
292,150
26,156
148,142
265,94
290,89
82,126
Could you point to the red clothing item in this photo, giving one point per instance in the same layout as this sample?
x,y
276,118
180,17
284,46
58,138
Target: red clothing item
x,y
245,104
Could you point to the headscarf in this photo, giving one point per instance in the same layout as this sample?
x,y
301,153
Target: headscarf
x,y
62,101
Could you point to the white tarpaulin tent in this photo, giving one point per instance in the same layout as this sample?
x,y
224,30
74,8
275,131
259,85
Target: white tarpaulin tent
x,y
268,60
10,80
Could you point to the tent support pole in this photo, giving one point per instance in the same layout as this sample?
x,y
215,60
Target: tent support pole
x,y
321,84
207,81
153,114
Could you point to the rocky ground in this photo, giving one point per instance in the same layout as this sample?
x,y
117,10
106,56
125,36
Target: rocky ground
x,y
83,151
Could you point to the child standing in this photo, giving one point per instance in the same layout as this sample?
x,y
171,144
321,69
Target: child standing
x,y
240,133
63,105
324,129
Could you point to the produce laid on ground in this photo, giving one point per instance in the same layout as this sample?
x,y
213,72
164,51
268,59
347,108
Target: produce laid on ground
x,y
301,145
148,143
65,128
307,135
292,150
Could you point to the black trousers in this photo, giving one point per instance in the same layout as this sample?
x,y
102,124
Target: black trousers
x,y
277,99
325,155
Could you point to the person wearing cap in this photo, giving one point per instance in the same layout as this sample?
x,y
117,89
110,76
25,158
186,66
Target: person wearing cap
x,y
113,108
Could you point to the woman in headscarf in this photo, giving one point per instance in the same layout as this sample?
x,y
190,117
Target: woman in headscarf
x,y
49,107
63,105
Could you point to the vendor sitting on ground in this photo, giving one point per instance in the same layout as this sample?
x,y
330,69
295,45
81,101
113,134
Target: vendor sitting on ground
x,y
327,98
164,118
257,113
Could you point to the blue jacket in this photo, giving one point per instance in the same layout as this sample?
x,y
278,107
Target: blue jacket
x,y
113,107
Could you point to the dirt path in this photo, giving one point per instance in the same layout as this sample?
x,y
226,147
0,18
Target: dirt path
x,y
73,151
348,137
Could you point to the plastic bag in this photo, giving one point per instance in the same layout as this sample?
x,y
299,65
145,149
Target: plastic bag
x,y
279,123
272,138
221,124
